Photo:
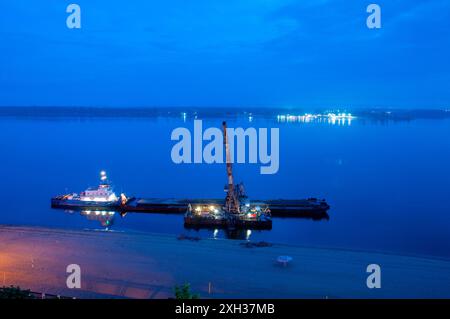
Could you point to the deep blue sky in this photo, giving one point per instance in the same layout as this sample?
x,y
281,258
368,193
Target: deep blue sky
x,y
225,53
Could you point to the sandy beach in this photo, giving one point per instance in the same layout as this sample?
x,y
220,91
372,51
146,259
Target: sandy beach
x,y
135,265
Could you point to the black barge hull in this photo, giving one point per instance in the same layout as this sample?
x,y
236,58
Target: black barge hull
x,y
304,208
80,205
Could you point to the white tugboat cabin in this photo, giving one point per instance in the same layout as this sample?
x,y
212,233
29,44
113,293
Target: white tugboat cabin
x,y
103,193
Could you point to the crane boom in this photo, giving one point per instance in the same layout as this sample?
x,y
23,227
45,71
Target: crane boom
x,y
231,201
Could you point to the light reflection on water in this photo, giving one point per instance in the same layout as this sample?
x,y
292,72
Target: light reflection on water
x,y
106,221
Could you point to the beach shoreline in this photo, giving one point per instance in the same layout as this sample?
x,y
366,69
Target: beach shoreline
x,y
143,265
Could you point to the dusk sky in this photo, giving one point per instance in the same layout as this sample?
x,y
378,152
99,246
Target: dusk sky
x,y
312,53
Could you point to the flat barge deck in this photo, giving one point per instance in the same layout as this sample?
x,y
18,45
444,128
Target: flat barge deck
x,y
304,208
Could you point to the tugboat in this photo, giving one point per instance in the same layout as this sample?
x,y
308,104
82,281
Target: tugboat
x,y
101,197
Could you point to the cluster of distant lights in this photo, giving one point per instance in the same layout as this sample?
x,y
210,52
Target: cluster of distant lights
x,y
331,118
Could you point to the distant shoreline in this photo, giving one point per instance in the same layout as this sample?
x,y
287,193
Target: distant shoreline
x,y
377,114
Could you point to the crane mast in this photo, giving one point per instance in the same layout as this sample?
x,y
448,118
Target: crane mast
x,y
231,201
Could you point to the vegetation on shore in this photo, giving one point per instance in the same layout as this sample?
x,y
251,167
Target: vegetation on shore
x,y
184,292
13,292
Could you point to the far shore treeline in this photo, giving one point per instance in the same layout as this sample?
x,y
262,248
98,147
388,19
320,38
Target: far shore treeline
x,y
377,114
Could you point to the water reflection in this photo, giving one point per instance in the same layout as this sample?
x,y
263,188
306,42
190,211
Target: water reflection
x,y
240,234
105,218
246,234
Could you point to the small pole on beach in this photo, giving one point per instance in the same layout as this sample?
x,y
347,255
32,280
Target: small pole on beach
x,y
209,287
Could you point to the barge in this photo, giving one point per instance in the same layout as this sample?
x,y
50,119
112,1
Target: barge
x,y
103,198
235,212
305,208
